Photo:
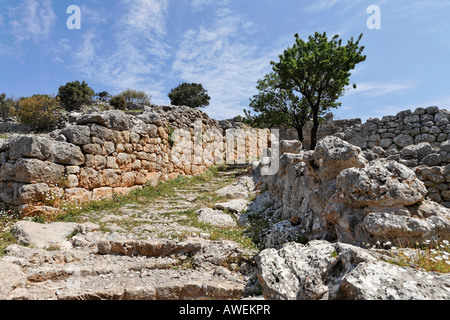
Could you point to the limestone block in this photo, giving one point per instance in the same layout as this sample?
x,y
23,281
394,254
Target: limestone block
x,y
102,193
128,179
93,148
77,135
37,171
77,195
90,178
110,178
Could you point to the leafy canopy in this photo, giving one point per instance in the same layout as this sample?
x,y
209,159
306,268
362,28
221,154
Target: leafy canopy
x,y
190,94
277,106
319,71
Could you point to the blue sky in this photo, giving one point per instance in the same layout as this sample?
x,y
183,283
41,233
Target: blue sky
x,y
226,45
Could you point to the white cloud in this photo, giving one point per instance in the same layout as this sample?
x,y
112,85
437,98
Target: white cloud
x,y
198,5
376,89
220,58
32,20
321,5
139,50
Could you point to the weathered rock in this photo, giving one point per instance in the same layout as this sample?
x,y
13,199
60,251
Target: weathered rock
x,y
11,279
403,140
29,147
44,235
321,270
77,135
377,280
333,155
216,218
290,146
234,206
382,184
37,171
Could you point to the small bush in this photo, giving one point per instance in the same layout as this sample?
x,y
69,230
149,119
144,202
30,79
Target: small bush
x,y
135,98
42,113
75,94
118,102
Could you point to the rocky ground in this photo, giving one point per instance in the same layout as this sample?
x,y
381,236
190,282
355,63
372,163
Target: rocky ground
x,y
185,245
210,237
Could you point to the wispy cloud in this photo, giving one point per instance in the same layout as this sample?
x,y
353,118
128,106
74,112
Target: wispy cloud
x,y
376,89
219,57
139,50
32,19
320,5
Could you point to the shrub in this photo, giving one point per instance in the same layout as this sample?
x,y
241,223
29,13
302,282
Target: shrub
x,y
42,113
190,94
135,98
103,96
74,94
118,102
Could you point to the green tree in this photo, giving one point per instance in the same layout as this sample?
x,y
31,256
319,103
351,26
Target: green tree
x,y
319,71
103,96
75,94
42,113
278,106
190,94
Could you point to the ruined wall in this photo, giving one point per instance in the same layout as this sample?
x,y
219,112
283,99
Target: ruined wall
x,y
102,154
327,127
418,139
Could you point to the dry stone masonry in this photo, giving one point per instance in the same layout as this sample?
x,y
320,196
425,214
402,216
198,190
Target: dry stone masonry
x,y
101,154
417,139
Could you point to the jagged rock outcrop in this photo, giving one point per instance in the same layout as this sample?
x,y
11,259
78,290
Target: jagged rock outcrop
x,y
332,271
335,193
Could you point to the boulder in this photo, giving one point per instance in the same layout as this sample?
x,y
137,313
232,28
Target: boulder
x,y
403,140
77,135
290,146
66,153
235,206
37,171
335,271
29,147
332,155
44,236
216,218
384,184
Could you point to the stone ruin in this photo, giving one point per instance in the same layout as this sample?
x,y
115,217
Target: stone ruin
x,y
102,154
363,187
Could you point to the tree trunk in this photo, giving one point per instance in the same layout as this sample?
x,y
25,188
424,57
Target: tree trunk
x,y
314,129
300,133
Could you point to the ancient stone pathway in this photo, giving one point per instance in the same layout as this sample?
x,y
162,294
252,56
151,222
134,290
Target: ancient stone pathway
x,y
174,247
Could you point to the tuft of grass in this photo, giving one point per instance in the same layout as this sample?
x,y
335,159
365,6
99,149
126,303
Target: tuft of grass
x,y
428,256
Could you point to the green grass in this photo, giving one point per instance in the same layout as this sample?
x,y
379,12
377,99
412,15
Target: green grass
x,y
425,257
139,197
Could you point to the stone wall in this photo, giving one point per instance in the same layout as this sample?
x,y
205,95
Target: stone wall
x,y
327,127
417,139
101,154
